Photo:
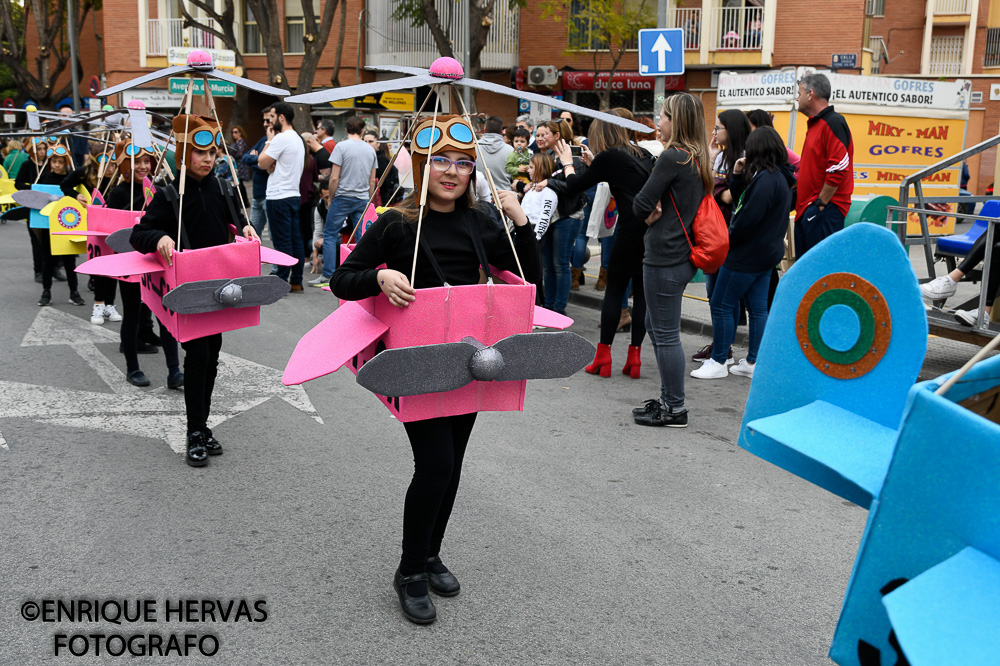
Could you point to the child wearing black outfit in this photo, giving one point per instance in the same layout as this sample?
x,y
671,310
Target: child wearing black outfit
x,y
207,215
449,227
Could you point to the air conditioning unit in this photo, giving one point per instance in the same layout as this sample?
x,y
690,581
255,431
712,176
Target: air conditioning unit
x,y
541,76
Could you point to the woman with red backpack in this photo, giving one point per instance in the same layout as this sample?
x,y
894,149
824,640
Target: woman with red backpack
x,y
669,202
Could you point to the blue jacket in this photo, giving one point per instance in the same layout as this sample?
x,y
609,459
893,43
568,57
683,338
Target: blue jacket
x,y
259,175
760,220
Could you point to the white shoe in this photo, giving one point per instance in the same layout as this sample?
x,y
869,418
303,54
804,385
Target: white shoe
x,y
711,369
967,317
111,314
743,369
97,316
939,289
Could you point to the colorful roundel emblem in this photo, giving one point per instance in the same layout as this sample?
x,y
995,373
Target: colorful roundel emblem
x,y
843,325
68,218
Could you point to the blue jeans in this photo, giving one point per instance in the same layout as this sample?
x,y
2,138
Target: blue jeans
x,y
557,250
341,209
710,279
730,287
664,287
283,220
258,216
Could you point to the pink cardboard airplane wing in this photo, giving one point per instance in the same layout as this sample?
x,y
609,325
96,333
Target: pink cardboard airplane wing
x,y
332,343
129,263
101,223
267,255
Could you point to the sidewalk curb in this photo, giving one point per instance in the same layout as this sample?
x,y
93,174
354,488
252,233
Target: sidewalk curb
x,y
588,297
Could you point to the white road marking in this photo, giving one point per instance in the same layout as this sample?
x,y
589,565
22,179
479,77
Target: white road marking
x,y
158,414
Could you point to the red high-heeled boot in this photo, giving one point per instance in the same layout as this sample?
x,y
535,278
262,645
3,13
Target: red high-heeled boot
x,y
633,362
602,361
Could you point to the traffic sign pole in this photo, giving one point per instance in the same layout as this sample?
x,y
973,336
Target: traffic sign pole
x,y
659,88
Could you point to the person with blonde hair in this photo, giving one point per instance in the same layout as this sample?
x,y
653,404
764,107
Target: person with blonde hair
x,y
669,202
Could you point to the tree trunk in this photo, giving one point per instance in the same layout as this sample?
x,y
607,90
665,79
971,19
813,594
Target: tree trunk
x,y
434,23
266,12
335,76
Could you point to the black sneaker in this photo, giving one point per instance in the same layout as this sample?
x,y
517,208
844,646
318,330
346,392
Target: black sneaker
x,y
137,378
175,380
659,416
646,408
147,336
38,277
58,275
46,298
76,299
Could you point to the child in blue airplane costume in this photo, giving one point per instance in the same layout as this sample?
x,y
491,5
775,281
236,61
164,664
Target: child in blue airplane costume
x,y
833,401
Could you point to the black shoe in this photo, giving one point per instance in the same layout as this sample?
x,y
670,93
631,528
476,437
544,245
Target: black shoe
x,y
38,278
444,583
647,407
196,455
76,299
137,378
90,284
212,445
46,298
416,609
659,416
149,338
175,380
58,275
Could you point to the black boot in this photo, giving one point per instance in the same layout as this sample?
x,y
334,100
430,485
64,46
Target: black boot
x,y
175,380
441,581
196,456
46,298
416,609
212,445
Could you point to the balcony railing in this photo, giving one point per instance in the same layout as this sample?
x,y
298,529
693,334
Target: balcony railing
x,y
738,29
952,6
874,7
390,42
946,55
688,20
992,56
162,34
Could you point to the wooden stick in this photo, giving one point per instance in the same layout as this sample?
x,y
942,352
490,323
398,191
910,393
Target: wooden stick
x,y
426,178
225,148
188,95
493,187
980,355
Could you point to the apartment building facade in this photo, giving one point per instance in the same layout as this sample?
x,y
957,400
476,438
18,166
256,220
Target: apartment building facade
x,y
564,56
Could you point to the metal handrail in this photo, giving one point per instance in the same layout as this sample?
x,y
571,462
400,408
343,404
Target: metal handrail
x,y
982,325
914,180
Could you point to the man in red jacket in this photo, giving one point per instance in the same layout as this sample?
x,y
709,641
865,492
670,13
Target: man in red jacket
x,y
826,172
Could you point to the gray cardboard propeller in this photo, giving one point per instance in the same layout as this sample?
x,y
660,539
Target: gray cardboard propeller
x,y
449,71
449,366
213,295
198,62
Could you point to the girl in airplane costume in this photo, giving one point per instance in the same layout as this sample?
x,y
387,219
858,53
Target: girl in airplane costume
x,y
455,232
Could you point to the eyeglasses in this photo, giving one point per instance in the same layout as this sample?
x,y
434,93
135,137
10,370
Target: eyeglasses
x,y
718,128
463,167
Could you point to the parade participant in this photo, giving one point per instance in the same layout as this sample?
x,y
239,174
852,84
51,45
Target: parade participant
x,y
135,164
54,173
206,209
27,174
454,233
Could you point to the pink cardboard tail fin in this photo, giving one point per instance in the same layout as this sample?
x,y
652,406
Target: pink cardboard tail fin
x,y
147,190
367,220
96,199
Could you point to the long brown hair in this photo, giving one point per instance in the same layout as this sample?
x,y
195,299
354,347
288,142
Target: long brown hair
x,y
561,129
544,166
687,133
602,136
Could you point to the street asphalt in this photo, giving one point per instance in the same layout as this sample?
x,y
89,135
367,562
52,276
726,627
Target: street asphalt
x,y
578,536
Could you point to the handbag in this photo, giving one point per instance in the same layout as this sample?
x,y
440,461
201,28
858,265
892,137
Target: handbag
x,y
711,235
603,213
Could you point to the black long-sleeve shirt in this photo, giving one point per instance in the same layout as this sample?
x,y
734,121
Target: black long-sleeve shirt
x,y
568,204
391,241
623,173
760,220
118,197
666,244
206,219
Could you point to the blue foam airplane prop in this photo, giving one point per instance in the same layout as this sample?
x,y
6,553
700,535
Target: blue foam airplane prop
x,y
833,401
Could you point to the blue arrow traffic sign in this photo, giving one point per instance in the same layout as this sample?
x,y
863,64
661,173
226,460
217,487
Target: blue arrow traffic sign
x,y
661,52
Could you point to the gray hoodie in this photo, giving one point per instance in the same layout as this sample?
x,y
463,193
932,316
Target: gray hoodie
x,y
495,151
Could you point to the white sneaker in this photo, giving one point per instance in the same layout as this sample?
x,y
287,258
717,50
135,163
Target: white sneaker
x,y
743,369
939,289
97,316
111,314
711,369
967,317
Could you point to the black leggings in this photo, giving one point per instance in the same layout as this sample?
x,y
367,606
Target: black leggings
x,y
978,253
201,366
37,253
438,450
104,289
133,314
49,262
625,264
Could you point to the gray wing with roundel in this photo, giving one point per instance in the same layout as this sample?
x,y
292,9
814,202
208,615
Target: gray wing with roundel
x,y
360,90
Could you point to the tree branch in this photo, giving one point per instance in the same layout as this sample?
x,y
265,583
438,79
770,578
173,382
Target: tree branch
x,y
434,23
